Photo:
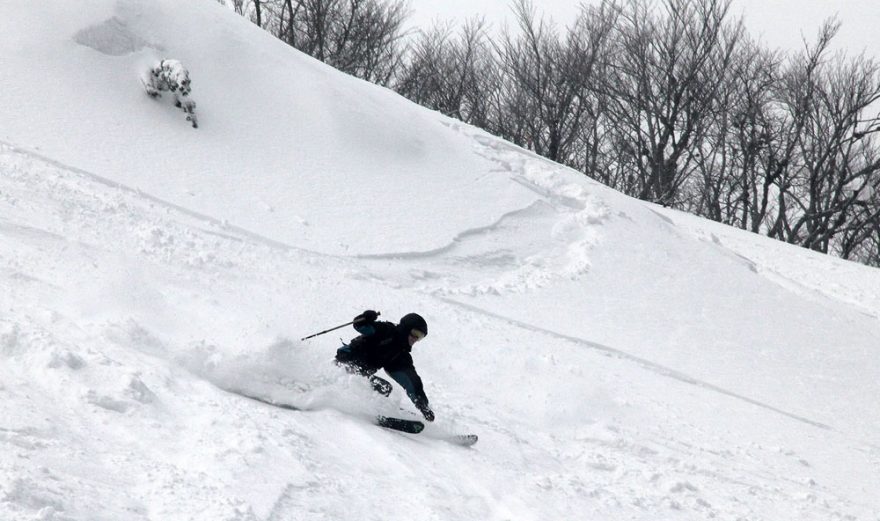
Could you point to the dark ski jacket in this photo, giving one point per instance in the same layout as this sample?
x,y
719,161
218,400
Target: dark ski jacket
x,y
382,345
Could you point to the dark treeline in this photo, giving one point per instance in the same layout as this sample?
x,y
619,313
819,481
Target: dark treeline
x,y
670,101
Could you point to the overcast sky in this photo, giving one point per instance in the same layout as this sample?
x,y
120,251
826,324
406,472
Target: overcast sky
x,y
779,23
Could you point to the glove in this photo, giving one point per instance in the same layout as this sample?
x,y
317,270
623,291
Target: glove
x,y
428,413
367,317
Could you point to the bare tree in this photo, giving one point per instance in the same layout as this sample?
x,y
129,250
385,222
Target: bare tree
x,y
258,12
734,163
453,72
546,94
862,242
836,148
359,37
250,9
593,152
662,85
665,100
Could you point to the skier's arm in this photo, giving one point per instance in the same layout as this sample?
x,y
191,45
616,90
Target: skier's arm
x,y
363,323
410,381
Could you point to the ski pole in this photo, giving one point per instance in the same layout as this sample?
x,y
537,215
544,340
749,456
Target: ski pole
x,y
331,329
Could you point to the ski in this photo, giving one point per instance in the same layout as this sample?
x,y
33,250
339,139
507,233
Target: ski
x,y
416,427
268,402
388,422
399,424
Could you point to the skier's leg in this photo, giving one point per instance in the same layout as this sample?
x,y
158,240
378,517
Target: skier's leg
x,y
381,385
412,384
346,359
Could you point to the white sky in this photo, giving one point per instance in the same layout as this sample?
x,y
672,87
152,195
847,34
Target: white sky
x,y
780,23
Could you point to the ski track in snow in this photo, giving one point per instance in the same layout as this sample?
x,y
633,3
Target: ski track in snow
x,y
571,216
641,362
512,162
618,466
214,225
766,259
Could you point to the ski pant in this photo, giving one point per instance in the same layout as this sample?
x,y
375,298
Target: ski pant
x,y
380,385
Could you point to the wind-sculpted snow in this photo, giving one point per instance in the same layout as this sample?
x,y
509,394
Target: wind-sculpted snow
x,y
526,249
111,37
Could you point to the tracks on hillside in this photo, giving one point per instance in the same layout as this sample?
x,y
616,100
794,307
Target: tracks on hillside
x,y
217,227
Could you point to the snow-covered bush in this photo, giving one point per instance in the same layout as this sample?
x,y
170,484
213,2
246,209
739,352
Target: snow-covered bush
x,y
172,76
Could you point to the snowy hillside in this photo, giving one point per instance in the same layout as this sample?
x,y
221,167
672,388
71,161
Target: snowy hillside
x,y
618,360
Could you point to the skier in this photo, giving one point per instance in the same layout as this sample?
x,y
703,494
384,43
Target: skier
x,y
383,345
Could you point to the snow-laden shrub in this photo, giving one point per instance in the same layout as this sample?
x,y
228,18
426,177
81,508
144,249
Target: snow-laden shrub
x,y
172,76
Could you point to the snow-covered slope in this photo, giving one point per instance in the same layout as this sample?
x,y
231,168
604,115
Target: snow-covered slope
x,y
618,360
273,123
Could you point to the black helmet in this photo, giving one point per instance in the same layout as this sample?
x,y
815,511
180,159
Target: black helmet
x,y
413,321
